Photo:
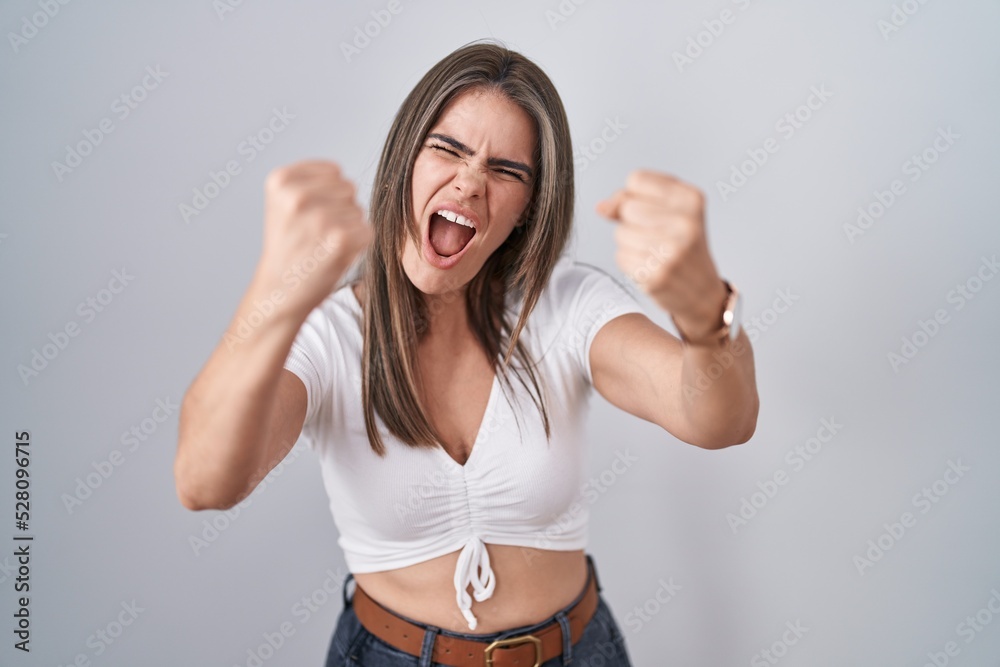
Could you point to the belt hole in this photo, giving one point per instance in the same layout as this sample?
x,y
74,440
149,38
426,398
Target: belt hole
x,y
405,636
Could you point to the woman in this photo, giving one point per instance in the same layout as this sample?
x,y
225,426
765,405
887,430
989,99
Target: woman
x,y
444,386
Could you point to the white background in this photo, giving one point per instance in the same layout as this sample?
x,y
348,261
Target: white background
x,y
853,300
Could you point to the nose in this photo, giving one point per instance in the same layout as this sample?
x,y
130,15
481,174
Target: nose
x,y
470,181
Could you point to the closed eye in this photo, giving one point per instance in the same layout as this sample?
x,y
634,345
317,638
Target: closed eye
x,y
511,173
506,172
446,150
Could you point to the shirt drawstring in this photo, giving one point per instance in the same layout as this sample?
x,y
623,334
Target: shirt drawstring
x,y
473,568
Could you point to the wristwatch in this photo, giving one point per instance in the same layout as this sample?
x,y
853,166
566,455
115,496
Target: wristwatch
x,y
730,321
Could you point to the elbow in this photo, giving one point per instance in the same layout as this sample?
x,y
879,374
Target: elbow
x,y
198,485
199,502
743,437
722,443
749,425
740,433
197,496
191,502
188,496
749,428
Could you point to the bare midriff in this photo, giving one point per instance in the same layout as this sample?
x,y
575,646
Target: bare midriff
x,y
531,585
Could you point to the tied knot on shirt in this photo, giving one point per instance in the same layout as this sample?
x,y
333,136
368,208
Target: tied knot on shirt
x,y
473,568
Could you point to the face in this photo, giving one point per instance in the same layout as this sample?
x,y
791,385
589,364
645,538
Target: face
x,y
476,161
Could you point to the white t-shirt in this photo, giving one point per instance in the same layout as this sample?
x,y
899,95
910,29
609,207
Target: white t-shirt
x,y
515,488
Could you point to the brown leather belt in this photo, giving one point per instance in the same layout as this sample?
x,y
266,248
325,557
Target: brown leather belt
x,y
528,650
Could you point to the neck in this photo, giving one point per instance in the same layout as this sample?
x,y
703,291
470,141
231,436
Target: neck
x,y
448,318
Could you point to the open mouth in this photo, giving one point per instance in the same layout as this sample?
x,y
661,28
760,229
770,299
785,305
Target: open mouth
x,y
449,233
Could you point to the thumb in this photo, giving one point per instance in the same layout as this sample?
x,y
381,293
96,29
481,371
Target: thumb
x,y
609,208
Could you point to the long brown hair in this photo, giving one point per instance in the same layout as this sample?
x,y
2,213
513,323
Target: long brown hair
x,y
395,313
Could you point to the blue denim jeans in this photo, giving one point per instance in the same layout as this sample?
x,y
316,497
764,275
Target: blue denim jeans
x,y
601,645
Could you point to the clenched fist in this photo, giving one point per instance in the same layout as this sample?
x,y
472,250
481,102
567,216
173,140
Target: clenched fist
x,y
314,229
662,246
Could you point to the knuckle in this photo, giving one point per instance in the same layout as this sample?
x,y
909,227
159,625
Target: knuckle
x,y
299,201
276,178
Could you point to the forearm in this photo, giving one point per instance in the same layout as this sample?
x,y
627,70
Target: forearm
x,y
719,392
225,411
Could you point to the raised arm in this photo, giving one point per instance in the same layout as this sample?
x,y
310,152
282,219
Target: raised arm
x,y
703,393
244,411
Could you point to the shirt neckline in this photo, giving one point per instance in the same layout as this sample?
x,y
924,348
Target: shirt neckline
x,y
487,413
480,437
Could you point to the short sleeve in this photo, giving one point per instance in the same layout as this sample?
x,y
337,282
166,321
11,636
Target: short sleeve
x,y
310,358
599,298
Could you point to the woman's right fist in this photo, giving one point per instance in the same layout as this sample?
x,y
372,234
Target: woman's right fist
x,y
313,231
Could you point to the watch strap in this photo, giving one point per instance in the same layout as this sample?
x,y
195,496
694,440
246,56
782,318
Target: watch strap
x,y
718,336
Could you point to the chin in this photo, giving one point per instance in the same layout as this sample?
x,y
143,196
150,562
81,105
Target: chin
x,y
433,281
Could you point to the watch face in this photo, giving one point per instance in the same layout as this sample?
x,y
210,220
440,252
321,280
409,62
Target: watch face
x,y
737,321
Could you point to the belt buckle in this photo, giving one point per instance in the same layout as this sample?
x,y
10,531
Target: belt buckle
x,y
513,641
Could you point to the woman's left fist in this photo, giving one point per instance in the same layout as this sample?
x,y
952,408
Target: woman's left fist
x,y
662,247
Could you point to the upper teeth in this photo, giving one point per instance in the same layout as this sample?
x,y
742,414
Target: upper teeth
x,y
455,217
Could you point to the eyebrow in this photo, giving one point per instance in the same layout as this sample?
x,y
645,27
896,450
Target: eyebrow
x,y
493,161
